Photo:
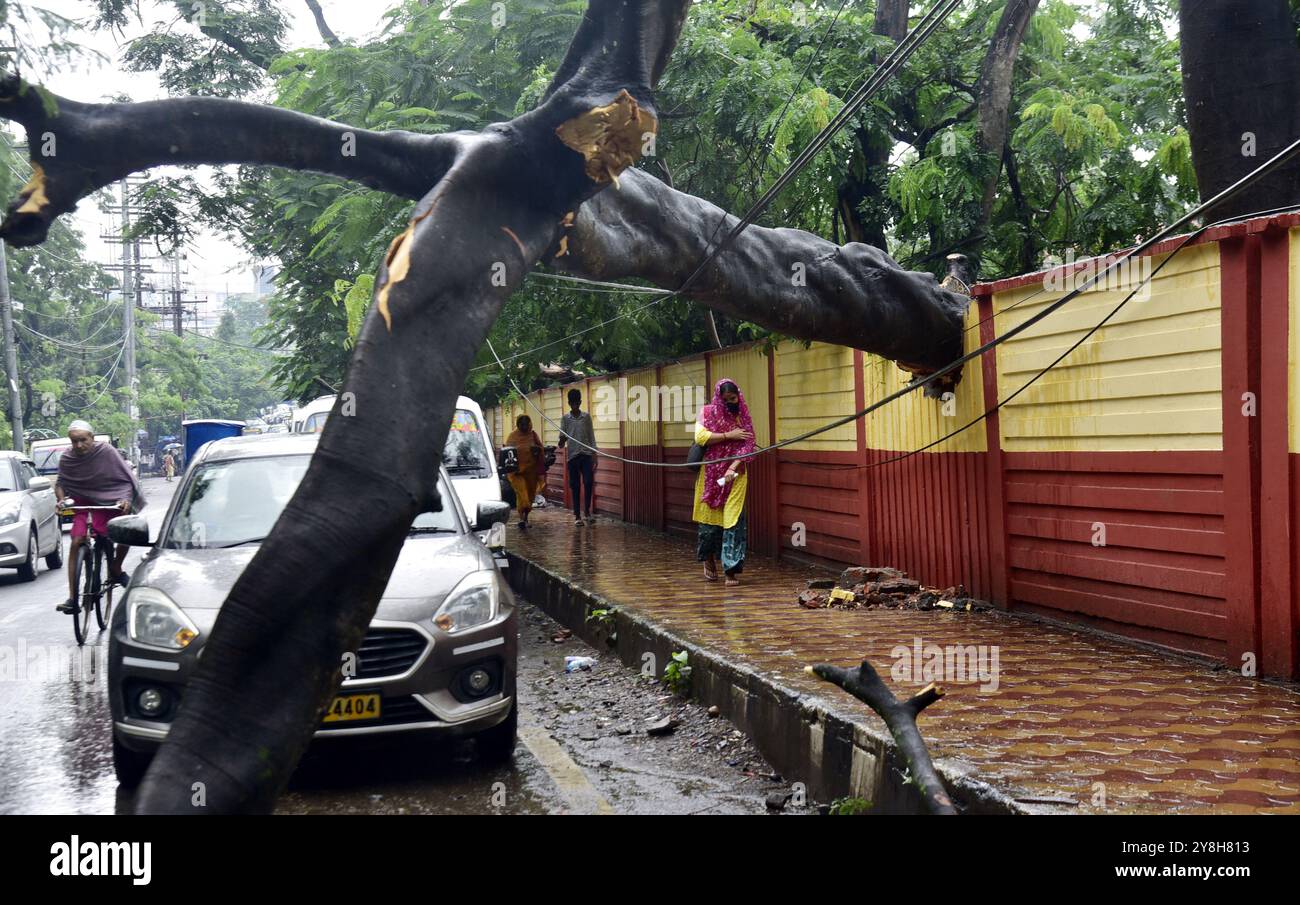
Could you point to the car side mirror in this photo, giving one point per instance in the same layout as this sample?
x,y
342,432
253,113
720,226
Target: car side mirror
x,y
39,484
489,513
132,530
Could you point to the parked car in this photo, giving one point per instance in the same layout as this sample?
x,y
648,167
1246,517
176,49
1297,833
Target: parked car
x,y
29,520
439,657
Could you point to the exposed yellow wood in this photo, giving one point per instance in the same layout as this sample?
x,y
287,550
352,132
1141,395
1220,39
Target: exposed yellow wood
x,y
609,138
34,190
398,261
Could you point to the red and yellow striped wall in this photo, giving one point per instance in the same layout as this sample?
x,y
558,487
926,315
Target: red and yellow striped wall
x,y
1148,485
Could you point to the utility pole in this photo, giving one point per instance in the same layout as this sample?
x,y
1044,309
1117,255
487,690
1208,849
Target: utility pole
x,y
7,316
128,324
11,356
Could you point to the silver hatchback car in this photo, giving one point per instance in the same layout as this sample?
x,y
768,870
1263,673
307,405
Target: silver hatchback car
x,y
440,655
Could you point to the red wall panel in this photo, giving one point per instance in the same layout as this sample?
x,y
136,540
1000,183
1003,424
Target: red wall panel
x,y
1161,574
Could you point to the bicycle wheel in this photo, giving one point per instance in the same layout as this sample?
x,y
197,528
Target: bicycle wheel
x,y
81,580
103,588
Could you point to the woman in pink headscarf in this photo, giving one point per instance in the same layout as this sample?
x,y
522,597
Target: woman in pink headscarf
x,y
724,429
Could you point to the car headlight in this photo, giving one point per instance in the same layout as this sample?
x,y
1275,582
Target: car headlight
x,y
154,619
471,603
11,514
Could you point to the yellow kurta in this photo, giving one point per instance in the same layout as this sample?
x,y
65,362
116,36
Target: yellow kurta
x,y
729,514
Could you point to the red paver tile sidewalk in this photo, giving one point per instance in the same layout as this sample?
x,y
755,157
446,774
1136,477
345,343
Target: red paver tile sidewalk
x,y
1070,710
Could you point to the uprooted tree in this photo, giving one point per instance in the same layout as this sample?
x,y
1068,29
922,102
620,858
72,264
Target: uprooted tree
x,y
489,206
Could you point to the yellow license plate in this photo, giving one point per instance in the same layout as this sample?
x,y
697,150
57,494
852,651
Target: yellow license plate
x,y
353,707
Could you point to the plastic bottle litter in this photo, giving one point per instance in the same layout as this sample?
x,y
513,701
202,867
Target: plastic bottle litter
x,y
573,664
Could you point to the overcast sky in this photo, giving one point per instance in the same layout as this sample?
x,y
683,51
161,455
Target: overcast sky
x,y
215,266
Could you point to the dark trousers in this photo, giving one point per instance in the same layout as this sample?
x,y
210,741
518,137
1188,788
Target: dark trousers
x,y
582,468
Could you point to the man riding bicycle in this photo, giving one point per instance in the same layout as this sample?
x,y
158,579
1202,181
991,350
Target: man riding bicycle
x,y
93,474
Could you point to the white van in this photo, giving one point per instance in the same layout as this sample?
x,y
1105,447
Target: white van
x,y
310,419
469,457
468,454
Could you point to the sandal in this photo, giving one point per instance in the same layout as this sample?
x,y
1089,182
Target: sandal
x,y
710,574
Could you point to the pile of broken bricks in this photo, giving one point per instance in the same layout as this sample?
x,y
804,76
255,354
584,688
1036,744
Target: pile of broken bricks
x,y
864,587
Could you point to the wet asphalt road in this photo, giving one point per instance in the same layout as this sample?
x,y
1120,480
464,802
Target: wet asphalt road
x,y
582,745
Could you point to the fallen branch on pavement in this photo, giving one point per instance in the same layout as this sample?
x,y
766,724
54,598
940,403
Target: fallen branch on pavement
x,y
865,684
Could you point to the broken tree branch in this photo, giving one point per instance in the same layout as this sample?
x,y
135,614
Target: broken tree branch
x,y
865,684
787,280
76,148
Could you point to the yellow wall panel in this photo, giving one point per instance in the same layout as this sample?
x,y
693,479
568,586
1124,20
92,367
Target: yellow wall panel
x,y
677,421
1150,379
641,408
915,421
603,404
748,368
554,406
814,385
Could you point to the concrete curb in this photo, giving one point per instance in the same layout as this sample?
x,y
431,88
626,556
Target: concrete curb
x,y
822,744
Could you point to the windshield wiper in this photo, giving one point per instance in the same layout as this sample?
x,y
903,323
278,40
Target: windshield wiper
x,y
424,530
239,543
456,469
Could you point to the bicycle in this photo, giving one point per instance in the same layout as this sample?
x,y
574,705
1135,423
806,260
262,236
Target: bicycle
x,y
88,574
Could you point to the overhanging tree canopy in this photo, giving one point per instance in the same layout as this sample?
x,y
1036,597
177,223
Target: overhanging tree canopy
x,y
490,205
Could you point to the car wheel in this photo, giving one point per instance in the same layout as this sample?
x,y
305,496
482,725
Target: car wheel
x,y
54,559
130,766
27,571
497,745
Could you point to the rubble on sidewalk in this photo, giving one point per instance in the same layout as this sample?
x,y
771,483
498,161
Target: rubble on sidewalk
x,y
868,587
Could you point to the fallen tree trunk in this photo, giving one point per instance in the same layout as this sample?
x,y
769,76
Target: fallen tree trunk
x,y
490,205
787,280
865,684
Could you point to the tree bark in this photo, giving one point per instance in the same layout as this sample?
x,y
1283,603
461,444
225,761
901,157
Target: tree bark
x,y
272,661
784,279
491,204
993,100
326,33
1241,80
867,178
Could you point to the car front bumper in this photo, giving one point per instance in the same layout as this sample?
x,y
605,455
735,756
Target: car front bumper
x,y
423,696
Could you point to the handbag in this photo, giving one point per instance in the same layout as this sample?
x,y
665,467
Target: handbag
x,y
695,457
509,460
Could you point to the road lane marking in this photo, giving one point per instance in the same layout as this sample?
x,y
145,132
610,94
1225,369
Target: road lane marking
x,y
577,791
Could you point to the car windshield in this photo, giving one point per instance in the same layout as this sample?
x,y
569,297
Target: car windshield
x,y
236,502
48,459
465,454
7,477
